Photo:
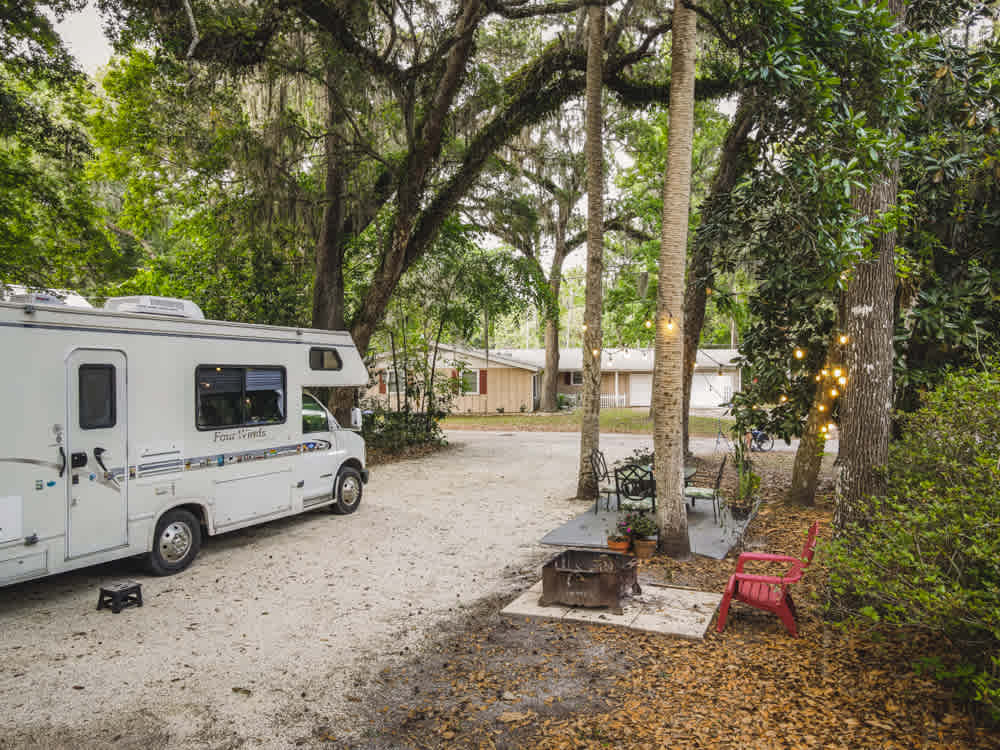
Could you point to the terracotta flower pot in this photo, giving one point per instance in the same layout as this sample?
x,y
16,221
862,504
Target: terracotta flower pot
x,y
618,546
644,548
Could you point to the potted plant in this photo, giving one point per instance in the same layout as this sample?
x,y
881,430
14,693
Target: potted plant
x,y
619,542
643,531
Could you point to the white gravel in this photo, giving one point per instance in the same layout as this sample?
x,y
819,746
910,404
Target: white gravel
x,y
273,629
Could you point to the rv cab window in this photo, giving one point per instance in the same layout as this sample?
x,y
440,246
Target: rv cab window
x,y
314,416
97,397
239,396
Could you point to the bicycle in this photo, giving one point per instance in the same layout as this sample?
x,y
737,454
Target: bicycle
x,y
760,441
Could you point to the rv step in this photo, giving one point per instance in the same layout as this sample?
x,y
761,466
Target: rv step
x,y
119,595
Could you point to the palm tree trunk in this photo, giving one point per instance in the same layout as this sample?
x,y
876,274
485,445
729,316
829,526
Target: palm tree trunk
x,y
590,427
668,379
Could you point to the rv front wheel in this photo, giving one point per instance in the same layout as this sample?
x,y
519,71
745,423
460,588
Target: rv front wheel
x,y
176,543
348,491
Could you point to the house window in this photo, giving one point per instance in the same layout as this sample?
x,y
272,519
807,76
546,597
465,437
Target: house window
x,y
391,378
577,378
97,397
324,359
470,383
239,396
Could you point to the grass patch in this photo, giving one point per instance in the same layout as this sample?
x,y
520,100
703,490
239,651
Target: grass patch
x,y
635,421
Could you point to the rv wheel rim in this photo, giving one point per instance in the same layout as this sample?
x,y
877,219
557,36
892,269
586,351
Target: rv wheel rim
x,y
349,491
175,542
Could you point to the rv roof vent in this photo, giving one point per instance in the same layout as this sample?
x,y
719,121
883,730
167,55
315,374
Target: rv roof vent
x,y
149,305
25,295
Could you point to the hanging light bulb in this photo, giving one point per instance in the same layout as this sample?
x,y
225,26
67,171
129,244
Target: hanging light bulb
x,y
584,326
783,398
821,407
842,380
837,372
825,373
834,393
819,378
595,352
649,324
843,338
823,428
831,426
799,354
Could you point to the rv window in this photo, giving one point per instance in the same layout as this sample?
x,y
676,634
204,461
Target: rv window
x,y
313,416
324,359
97,397
238,396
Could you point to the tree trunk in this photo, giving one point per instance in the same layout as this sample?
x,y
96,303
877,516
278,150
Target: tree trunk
x,y
328,289
550,376
590,428
866,411
668,375
809,456
733,164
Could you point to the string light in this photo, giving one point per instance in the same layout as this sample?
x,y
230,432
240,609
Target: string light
x,y
799,354
825,373
783,398
823,428
843,338
670,324
842,380
819,378
834,393
831,426
595,352
821,407
584,326
837,372
649,324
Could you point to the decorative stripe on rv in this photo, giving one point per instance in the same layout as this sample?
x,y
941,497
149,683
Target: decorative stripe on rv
x,y
156,468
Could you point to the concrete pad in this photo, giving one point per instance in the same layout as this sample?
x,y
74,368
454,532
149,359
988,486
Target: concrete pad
x,y
658,609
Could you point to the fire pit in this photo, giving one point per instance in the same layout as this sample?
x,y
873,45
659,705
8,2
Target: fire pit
x,y
586,578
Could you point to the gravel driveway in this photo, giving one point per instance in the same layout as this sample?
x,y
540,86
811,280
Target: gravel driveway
x,y
266,637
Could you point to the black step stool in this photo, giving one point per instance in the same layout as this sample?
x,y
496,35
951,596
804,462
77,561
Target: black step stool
x,y
119,595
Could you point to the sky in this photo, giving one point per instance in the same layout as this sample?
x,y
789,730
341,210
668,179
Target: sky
x,y
82,34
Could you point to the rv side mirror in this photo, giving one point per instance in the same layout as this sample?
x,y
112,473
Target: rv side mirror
x,y
356,418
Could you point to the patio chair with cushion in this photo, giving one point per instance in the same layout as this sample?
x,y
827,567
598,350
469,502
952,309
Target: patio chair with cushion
x,y
708,493
636,487
599,468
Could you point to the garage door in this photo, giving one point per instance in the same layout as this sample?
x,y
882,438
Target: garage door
x,y
710,390
641,389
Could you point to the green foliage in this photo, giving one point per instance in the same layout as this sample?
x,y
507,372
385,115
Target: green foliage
x,y
928,556
395,431
637,524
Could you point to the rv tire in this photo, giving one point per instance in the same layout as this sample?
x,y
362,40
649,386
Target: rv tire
x,y
347,491
175,544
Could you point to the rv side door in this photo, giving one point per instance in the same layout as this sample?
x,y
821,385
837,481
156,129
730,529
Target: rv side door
x,y
96,452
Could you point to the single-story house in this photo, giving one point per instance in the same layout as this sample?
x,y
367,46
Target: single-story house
x,y
510,379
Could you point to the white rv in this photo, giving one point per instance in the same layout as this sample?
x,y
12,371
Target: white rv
x,y
137,428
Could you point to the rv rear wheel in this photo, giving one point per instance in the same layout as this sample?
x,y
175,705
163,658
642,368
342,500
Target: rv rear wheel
x,y
347,490
176,542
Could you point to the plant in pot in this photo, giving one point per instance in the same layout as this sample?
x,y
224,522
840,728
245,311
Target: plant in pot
x,y
643,531
618,542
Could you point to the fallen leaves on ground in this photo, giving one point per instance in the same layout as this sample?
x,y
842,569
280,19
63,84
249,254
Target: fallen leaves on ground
x,y
498,683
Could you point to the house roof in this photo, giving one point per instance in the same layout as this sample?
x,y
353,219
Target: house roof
x,y
448,353
621,360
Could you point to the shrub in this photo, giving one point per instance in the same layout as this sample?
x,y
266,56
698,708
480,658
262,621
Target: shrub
x,y
394,431
929,556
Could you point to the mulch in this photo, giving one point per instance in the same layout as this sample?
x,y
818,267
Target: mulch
x,y
490,682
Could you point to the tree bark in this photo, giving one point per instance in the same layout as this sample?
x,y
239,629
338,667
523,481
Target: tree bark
x,y
668,376
590,428
550,376
328,290
734,162
809,456
866,410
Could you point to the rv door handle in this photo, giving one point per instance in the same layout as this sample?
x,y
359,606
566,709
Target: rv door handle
x,y
98,452
62,455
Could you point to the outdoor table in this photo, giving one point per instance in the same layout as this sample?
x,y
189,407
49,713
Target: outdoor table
x,y
689,472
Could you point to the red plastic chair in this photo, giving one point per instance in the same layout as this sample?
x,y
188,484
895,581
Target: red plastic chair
x,y
769,593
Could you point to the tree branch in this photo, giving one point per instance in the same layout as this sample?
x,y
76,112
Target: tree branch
x,y
195,37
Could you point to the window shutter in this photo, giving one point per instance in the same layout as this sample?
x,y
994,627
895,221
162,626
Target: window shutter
x,y
454,373
381,382
568,378
482,381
